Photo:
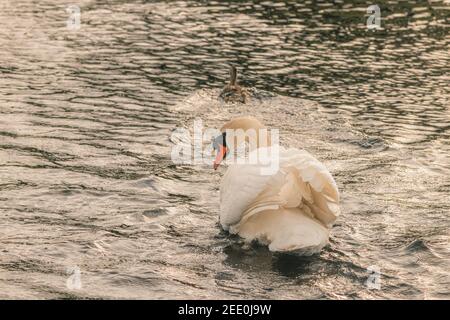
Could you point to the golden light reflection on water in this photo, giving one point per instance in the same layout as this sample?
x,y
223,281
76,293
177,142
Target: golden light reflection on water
x,y
85,172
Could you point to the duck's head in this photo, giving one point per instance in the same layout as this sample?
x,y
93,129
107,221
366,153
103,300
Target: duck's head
x,y
234,133
233,75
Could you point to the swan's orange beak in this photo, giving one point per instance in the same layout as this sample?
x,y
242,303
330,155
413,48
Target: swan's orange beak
x,y
220,156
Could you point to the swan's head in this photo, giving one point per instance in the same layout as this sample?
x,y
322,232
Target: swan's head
x,y
242,131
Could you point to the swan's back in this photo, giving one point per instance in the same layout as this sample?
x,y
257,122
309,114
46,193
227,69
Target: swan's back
x,y
292,209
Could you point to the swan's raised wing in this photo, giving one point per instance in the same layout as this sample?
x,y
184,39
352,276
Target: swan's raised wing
x,y
315,185
302,181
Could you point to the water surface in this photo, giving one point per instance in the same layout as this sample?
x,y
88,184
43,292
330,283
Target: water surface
x,y
86,179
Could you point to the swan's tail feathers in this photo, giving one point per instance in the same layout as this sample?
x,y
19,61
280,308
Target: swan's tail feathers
x,y
285,230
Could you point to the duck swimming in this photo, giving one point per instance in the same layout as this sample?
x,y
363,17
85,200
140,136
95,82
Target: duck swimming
x,y
234,92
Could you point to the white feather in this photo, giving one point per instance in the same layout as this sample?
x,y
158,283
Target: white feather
x,y
291,209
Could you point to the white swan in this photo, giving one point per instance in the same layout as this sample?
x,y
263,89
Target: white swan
x,y
291,208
